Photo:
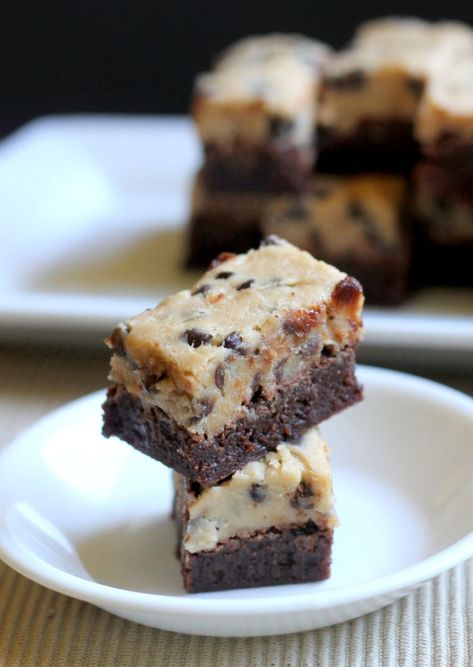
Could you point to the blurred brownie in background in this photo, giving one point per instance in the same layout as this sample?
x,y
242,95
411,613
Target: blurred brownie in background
x,y
357,223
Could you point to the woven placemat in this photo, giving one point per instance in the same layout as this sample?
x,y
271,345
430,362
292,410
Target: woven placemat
x,y
432,626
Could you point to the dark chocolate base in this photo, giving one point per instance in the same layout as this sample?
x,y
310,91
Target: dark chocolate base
x,y
326,389
387,147
214,232
290,555
249,169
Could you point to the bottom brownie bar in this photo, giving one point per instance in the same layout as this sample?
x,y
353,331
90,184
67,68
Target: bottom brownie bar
x,y
270,523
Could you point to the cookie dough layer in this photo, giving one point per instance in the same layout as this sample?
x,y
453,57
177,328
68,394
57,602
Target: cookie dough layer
x,y
355,222
270,523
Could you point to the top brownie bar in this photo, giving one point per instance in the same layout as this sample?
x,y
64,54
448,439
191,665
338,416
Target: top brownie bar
x,y
258,351
255,113
372,91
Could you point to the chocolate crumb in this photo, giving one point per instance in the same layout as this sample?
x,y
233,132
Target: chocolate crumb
x,y
203,289
245,285
219,376
272,239
303,497
415,86
223,275
196,337
234,342
279,127
257,492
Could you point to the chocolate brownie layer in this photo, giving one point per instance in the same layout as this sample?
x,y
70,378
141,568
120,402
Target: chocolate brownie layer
x,y
328,387
386,146
295,554
270,168
213,232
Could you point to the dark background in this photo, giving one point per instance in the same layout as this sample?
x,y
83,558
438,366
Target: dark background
x,y
124,56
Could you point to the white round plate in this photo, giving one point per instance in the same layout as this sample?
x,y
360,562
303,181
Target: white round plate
x,y
90,517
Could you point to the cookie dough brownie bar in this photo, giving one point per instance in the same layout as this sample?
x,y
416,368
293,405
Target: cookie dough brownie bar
x,y
357,223
259,350
255,114
270,523
372,91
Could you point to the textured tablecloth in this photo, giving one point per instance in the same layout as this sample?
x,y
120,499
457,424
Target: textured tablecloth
x,y
432,626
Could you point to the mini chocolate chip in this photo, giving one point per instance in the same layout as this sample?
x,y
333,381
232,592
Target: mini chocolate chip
x,y
257,394
279,127
356,211
353,80
234,342
257,492
196,338
272,239
203,289
256,382
219,376
245,285
205,407
296,210
303,497
415,86
279,370
117,339
152,379
223,275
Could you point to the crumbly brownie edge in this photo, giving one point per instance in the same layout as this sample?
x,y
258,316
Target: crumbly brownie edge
x,y
327,388
286,555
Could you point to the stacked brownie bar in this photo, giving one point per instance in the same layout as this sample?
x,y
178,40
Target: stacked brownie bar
x,y
226,383
388,147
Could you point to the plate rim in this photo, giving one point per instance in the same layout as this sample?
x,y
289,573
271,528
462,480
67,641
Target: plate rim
x,y
104,595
